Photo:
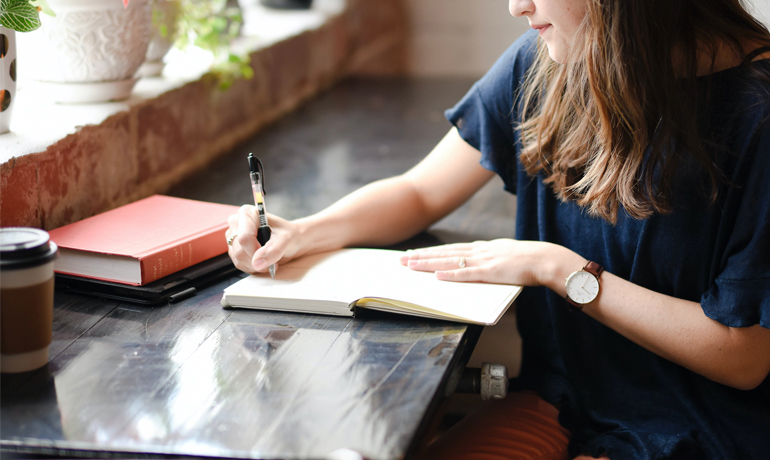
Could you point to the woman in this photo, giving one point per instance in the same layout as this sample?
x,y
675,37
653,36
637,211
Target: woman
x,y
635,135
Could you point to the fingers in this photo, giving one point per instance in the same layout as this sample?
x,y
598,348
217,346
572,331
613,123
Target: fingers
x,y
244,249
439,252
276,247
247,229
471,274
439,264
451,262
503,261
268,254
450,269
242,238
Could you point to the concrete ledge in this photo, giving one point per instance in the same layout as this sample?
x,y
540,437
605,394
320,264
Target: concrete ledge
x,y
116,153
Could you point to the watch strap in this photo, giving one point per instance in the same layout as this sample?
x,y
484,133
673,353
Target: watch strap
x,y
573,305
592,268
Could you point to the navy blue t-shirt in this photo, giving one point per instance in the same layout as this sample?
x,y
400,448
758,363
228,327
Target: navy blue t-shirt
x,y
617,397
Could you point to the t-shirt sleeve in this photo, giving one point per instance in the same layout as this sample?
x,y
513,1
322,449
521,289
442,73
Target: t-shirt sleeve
x,y
740,294
487,116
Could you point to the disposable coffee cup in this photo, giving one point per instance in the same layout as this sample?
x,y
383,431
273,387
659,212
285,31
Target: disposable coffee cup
x,y
26,298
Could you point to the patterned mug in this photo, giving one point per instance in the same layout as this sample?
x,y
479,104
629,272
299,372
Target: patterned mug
x,y
7,76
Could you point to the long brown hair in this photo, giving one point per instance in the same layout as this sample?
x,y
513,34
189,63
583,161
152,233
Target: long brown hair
x,y
600,127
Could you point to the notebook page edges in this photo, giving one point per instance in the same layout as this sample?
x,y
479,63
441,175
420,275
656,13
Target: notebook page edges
x,y
480,303
395,306
487,316
263,293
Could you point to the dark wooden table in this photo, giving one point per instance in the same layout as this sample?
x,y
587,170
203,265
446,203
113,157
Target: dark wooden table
x,y
192,379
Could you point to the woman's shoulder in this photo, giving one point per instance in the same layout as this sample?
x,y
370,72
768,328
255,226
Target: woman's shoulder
x,y
737,129
735,106
743,90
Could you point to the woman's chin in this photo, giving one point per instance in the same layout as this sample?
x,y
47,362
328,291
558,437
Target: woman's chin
x,y
557,53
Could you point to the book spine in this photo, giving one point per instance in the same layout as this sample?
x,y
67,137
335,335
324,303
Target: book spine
x,y
180,256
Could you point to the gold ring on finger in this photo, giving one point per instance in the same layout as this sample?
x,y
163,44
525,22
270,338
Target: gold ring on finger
x,y
231,239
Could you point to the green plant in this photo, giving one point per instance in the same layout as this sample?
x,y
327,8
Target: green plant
x,y
210,25
22,15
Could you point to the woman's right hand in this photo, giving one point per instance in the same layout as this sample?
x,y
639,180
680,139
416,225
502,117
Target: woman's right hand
x,y
246,252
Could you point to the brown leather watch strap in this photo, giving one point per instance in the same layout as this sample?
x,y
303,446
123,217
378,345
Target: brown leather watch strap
x,y
592,268
573,305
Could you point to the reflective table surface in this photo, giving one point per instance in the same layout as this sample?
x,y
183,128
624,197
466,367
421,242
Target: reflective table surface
x,y
193,379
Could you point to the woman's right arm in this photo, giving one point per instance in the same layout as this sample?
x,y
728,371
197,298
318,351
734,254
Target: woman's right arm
x,y
382,213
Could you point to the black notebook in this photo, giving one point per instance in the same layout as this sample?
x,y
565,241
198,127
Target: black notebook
x,y
173,288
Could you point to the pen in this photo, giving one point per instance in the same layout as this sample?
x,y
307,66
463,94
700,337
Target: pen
x,y
257,176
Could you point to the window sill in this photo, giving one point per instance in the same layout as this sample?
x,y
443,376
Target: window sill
x,y
62,163
39,123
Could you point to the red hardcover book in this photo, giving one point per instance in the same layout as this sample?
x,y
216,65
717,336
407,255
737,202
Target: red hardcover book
x,y
143,241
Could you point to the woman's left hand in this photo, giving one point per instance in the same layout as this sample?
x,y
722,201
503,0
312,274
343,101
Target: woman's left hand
x,y
502,261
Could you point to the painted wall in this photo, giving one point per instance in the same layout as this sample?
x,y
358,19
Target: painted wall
x,y
460,37
762,8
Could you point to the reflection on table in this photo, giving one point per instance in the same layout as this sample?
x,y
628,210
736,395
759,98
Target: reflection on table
x,y
194,379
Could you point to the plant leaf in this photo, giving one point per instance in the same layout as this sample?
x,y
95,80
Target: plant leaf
x,y
19,15
43,5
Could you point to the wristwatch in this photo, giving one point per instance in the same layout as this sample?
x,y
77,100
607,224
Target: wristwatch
x,y
583,285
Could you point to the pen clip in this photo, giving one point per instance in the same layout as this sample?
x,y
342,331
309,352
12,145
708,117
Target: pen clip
x,y
260,171
261,176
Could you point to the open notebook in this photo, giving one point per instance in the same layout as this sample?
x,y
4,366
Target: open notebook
x,y
336,283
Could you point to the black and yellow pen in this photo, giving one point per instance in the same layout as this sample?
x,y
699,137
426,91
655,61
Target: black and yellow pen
x,y
258,188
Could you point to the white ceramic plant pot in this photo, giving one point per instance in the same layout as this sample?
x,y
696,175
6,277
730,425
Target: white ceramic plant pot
x,y
165,13
7,77
91,50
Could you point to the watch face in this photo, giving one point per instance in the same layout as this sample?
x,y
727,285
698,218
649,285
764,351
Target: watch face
x,y
582,287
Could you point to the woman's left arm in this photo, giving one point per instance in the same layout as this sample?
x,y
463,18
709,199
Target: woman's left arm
x,y
675,329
